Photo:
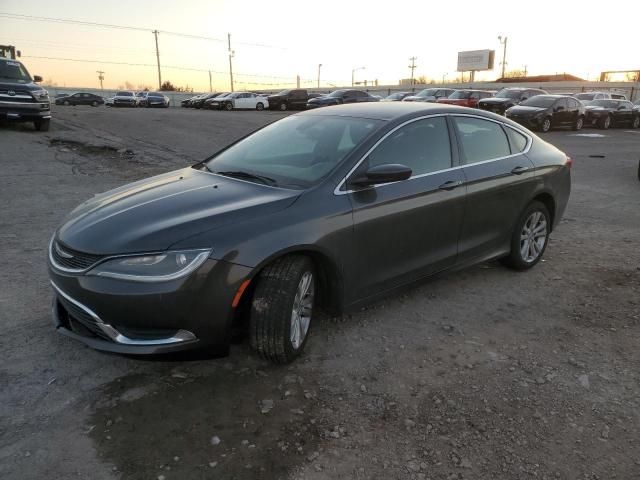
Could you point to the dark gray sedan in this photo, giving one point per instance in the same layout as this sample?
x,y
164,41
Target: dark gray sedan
x,y
330,208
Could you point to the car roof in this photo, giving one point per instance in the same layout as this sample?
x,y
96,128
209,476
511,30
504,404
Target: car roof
x,y
388,111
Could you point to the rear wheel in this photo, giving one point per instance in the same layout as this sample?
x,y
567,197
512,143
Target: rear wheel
x,y
578,123
283,106
529,238
259,106
42,125
545,126
282,308
605,123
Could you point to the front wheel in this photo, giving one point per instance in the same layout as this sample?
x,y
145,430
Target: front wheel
x,y
66,103
282,308
42,125
636,122
529,238
260,106
283,106
94,104
546,125
605,123
228,106
578,124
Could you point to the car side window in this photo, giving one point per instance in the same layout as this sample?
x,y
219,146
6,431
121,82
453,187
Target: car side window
x,y
422,145
517,140
481,140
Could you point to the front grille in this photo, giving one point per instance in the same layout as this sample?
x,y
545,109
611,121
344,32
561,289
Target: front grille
x,y
76,260
79,321
22,96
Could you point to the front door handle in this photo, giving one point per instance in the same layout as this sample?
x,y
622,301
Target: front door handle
x,y
519,170
450,185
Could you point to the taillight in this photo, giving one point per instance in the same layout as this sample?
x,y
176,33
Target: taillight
x,y
569,161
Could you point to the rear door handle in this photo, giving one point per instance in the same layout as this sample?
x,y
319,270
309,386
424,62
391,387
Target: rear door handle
x,y
519,170
450,185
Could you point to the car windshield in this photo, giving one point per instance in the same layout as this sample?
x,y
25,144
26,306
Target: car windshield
x,y
459,94
509,93
124,94
585,96
604,103
428,92
396,96
539,101
283,92
295,152
337,93
140,94
14,71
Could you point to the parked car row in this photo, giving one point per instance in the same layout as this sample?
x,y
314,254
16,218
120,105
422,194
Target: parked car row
x,y
120,99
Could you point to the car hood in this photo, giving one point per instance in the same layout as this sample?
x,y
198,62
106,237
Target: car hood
x,y
596,108
124,97
323,100
497,101
523,110
17,85
415,98
155,213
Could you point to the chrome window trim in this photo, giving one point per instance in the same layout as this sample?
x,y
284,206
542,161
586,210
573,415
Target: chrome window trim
x,y
527,147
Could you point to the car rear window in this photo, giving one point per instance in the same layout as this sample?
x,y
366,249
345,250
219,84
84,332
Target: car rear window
x,y
518,141
481,140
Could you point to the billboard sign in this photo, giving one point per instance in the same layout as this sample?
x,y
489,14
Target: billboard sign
x,y
476,60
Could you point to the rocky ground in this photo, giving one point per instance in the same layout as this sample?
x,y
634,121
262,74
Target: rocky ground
x,y
481,374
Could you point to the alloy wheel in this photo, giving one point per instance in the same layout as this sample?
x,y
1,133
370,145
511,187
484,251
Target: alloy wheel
x,y
302,309
636,122
533,237
546,125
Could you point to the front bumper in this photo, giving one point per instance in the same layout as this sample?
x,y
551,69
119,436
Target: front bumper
x,y
530,122
21,111
149,318
591,119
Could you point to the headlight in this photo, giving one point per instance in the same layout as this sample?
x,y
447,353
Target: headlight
x,y
154,267
41,94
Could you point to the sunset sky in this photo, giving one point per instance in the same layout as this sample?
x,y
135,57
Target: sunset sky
x,y
276,40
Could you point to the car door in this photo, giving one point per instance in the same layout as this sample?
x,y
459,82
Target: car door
x,y
407,229
297,99
349,97
573,111
499,179
625,113
560,112
75,99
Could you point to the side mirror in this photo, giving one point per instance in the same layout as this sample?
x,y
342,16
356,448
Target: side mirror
x,y
37,78
387,173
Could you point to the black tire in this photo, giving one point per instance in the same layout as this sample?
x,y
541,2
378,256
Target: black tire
x,y
636,122
545,126
94,104
42,125
578,124
66,103
228,106
284,106
515,258
605,123
259,106
272,306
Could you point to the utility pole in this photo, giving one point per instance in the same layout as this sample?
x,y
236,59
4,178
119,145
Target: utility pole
x,y
101,78
210,84
231,54
353,71
412,67
319,67
155,33
504,52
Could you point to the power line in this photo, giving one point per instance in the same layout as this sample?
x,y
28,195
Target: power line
x,y
35,18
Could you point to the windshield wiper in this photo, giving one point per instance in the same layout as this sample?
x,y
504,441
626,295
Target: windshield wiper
x,y
249,176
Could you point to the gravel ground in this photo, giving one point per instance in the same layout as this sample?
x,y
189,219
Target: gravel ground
x,y
485,373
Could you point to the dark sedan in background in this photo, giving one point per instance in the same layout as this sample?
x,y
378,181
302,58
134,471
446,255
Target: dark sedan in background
x,y
544,112
338,97
507,98
80,98
466,98
612,113
330,208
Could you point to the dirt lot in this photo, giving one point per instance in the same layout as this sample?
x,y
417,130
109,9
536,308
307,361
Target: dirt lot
x,y
480,374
